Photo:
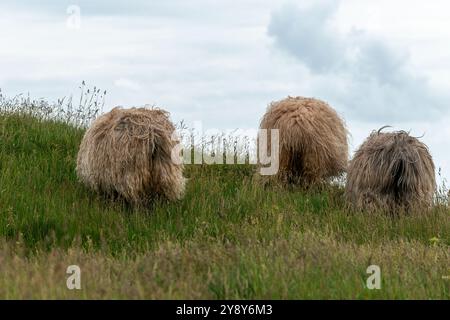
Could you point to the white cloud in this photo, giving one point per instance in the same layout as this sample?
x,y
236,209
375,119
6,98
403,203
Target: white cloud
x,y
127,84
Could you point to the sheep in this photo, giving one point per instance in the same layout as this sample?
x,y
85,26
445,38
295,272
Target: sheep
x,y
128,152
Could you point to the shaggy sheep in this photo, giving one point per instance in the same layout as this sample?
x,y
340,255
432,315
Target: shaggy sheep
x,y
312,140
391,171
128,152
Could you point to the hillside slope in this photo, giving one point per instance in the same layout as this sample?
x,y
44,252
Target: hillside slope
x,y
228,238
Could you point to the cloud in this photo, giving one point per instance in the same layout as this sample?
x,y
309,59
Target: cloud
x,y
201,69
301,33
217,11
127,84
362,73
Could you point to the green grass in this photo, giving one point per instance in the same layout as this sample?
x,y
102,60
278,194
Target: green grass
x,y
228,238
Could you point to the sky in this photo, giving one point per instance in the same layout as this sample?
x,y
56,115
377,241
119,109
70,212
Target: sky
x,y
220,62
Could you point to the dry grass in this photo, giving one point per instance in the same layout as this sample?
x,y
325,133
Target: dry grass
x,y
128,152
391,171
313,140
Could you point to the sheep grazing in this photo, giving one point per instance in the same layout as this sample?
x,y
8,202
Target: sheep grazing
x,y
127,152
391,171
312,140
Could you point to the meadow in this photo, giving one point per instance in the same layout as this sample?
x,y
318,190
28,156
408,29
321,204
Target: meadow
x,y
229,238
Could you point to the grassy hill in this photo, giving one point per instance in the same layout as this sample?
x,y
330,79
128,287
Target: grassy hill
x,y
228,238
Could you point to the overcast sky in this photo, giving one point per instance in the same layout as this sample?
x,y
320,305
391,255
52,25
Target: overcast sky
x,y
221,62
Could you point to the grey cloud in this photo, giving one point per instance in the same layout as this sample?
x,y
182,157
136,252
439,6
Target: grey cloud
x,y
375,82
298,32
